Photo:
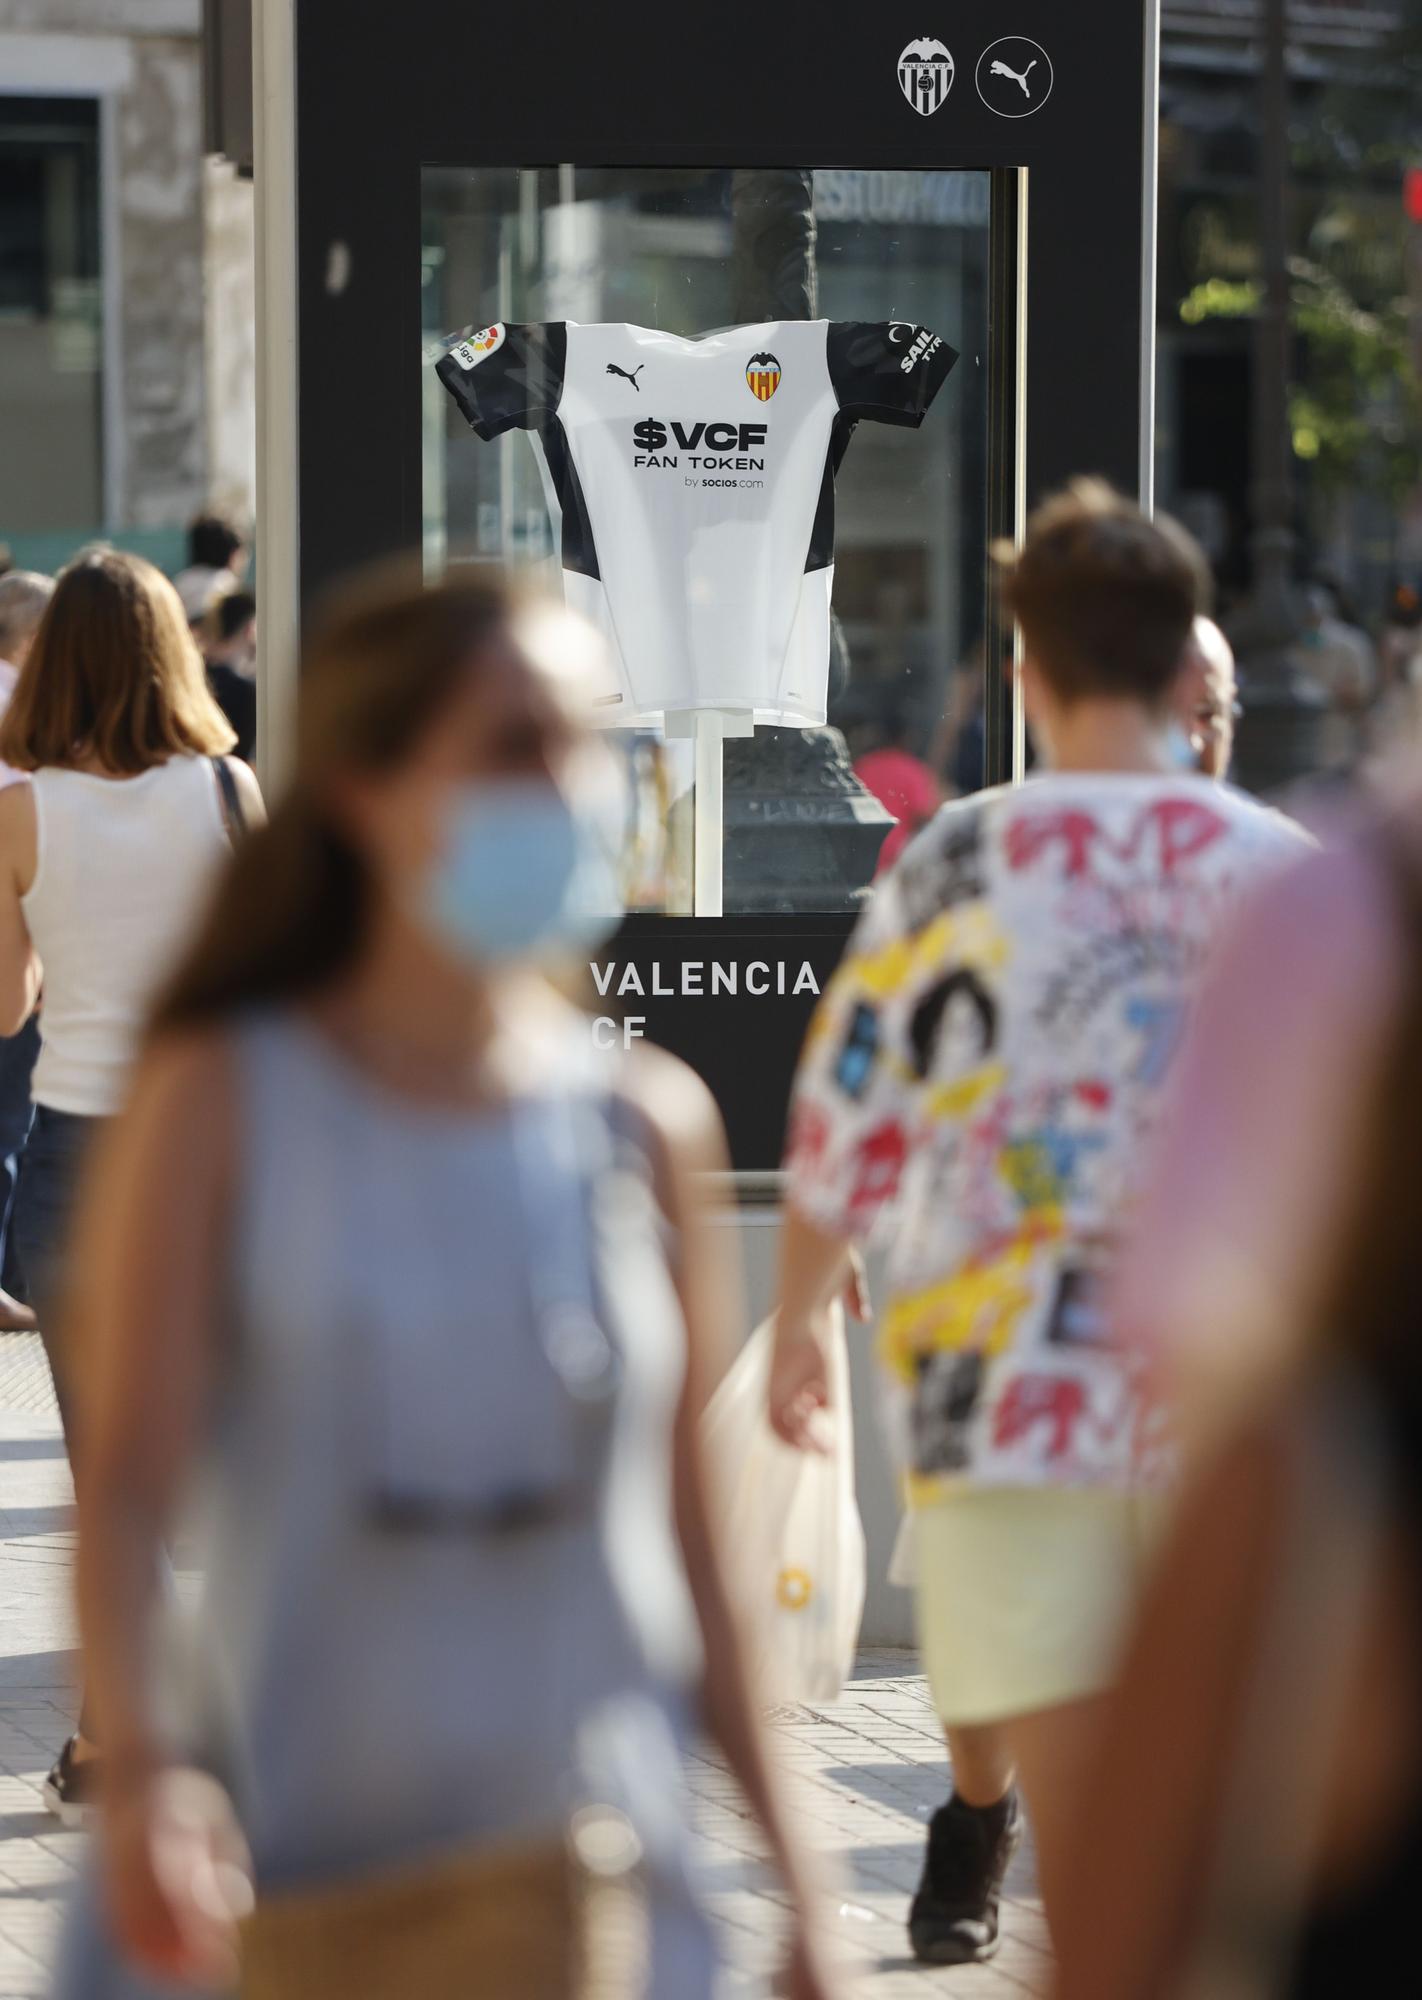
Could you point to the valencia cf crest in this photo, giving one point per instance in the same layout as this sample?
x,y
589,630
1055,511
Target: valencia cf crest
x,y
925,75
763,376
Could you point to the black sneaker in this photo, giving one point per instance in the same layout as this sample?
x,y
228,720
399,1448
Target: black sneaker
x,y
953,1918
71,1791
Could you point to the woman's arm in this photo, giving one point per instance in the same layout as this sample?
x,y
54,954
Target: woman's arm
x,y
1151,1820
708,1282
141,1313
249,792
140,1310
813,1271
1236,1218
19,967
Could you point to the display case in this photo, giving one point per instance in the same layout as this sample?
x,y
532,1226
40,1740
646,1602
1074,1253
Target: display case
x,y
751,338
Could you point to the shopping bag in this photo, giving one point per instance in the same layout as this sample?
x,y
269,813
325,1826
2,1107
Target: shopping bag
x,y
793,1539
903,1562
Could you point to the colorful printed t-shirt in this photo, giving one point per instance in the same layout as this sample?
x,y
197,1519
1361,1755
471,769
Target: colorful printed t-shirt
x,y
988,1062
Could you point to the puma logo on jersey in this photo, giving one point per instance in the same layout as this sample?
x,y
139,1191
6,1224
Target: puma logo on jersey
x,y
613,369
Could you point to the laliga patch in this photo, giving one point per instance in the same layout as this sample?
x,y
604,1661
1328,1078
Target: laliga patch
x,y
479,346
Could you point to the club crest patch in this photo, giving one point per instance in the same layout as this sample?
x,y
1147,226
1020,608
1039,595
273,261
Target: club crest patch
x,y
763,376
926,71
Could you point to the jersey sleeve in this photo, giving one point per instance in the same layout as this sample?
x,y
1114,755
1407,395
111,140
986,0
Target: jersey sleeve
x,y
887,371
506,377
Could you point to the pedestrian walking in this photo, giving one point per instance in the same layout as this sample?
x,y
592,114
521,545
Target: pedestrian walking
x,y
1270,1699
1341,663
106,858
900,781
1208,698
23,597
411,1295
218,554
228,640
982,1077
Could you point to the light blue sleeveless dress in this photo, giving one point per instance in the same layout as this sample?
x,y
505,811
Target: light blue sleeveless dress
x,y
442,1599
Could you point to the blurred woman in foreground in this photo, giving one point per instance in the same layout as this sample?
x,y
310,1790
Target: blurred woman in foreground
x,y
417,1293
1256,1826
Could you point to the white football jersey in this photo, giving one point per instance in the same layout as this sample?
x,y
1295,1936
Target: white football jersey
x,y
693,485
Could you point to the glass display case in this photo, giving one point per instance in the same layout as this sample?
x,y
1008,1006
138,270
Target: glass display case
x,y
740,417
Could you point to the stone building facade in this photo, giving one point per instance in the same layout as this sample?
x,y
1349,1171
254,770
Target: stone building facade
x,y
126,311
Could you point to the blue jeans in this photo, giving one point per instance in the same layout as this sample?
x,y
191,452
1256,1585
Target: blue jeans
x,y
17,1063
44,1209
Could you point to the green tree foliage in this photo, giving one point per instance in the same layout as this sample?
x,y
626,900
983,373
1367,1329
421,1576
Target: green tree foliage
x,y
1356,286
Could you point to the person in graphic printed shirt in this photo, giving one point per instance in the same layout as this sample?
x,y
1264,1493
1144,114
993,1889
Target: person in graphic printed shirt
x,y
981,1078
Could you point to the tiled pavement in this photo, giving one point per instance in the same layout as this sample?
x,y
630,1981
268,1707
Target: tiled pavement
x,y
867,1770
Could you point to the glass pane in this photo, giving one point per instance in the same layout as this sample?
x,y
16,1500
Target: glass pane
x,y
691,354
51,471
1329,674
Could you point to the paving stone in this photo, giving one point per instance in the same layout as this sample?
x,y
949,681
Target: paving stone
x,y
864,1774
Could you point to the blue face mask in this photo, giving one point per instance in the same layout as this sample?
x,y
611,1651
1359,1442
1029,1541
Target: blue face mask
x,y
523,874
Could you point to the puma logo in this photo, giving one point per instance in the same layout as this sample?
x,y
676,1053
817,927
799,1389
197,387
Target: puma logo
x,y
1000,69
613,369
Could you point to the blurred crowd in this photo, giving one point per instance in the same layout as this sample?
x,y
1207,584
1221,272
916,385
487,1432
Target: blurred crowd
x,y
377,1295
1366,685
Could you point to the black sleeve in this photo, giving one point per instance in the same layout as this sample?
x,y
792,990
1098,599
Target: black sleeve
x,y
506,377
886,370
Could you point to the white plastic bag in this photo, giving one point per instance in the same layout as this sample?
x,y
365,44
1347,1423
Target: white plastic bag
x,y
793,1539
903,1563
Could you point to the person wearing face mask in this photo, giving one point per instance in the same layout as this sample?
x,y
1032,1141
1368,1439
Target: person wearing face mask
x,y
418,1292
980,1081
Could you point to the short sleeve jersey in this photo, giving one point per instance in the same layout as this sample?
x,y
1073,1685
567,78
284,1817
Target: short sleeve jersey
x,y
983,1076
692,481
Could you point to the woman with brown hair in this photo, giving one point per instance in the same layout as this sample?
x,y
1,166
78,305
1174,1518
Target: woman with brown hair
x,y
415,1289
106,857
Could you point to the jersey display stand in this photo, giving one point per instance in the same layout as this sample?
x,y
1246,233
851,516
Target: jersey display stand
x,y
709,730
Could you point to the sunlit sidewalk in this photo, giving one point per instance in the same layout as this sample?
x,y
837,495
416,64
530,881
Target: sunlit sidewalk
x,y
37,1858
868,1770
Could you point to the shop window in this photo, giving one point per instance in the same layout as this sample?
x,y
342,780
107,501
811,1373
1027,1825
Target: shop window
x,y
51,469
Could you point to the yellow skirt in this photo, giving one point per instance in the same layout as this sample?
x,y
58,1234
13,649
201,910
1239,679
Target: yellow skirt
x,y
1025,1594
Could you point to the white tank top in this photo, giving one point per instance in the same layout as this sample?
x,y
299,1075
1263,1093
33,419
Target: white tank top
x,y
124,867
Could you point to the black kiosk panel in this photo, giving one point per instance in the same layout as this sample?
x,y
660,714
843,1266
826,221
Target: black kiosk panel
x,y
674,172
